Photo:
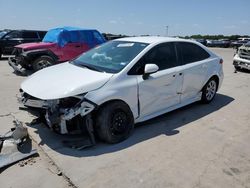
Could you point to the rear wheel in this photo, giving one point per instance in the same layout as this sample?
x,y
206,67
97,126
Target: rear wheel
x,y
115,122
42,62
209,91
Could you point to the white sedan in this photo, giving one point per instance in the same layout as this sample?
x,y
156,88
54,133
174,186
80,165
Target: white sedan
x,y
122,82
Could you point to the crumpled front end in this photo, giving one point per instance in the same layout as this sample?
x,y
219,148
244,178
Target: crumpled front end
x,y
62,115
242,57
19,62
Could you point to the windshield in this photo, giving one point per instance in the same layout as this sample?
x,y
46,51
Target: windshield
x,y
247,44
110,57
2,33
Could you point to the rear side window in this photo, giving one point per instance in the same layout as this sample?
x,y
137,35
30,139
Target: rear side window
x,y
30,35
191,52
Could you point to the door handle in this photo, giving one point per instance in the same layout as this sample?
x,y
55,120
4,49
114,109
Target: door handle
x,y
77,46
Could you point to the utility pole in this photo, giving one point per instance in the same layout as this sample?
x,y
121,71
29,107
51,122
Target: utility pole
x,y
167,30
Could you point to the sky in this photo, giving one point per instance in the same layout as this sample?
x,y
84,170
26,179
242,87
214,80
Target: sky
x,y
130,17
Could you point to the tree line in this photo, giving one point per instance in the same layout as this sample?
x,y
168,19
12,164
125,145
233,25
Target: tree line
x,y
216,37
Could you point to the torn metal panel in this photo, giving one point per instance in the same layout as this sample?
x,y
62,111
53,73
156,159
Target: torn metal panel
x,y
10,153
17,68
83,143
15,145
59,112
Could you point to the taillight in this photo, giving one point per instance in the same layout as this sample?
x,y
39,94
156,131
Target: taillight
x,y
221,61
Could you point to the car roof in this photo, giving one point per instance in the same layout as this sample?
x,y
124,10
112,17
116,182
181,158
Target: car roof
x,y
68,28
24,30
153,39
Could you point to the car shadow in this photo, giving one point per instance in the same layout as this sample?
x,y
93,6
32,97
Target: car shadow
x,y
23,73
3,58
242,71
166,124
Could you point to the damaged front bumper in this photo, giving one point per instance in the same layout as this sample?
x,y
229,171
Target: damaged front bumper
x,y
60,113
14,64
241,62
19,64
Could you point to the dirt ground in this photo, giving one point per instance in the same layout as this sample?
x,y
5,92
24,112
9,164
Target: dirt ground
x,y
199,145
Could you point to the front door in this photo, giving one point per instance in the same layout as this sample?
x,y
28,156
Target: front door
x,y
162,89
71,50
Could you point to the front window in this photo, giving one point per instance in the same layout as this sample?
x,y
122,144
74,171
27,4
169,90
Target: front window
x,y
13,34
110,57
2,33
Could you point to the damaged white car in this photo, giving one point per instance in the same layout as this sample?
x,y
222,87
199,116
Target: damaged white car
x,y
111,87
242,57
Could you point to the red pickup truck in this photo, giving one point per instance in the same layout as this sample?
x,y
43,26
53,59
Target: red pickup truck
x,y
58,45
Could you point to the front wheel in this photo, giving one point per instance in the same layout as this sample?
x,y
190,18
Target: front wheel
x,y
115,122
209,91
42,62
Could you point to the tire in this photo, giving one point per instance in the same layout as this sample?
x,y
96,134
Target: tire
x,y
27,67
236,67
42,62
209,91
115,122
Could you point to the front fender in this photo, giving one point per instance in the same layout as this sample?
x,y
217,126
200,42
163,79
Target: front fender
x,y
32,54
125,91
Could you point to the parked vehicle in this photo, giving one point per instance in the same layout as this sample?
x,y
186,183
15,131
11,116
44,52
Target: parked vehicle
x,y
239,43
11,38
122,82
212,43
202,41
222,43
225,43
241,59
58,45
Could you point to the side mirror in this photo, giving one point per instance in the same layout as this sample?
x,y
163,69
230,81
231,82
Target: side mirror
x,y
149,69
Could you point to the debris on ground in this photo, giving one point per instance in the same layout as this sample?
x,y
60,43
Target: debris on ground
x,y
15,145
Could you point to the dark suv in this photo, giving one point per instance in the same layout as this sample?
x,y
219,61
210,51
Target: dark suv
x,y
11,38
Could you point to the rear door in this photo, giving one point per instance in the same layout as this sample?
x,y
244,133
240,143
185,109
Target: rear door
x,y
161,89
195,65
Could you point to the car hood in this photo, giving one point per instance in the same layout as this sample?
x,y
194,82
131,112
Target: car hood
x,y
35,45
63,80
